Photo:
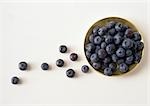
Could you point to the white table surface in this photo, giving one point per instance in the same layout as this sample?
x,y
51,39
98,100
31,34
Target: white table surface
x,y
32,32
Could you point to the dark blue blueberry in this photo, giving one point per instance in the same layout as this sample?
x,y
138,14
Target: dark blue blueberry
x,y
91,38
85,68
96,66
114,58
107,60
97,49
108,71
101,31
127,43
104,65
112,31
137,57
103,45
90,47
111,24
140,45
44,66
120,61
136,36
109,39
118,27
15,80
124,28
94,58
70,73
102,53
59,62
98,40
88,54
117,38
120,52
123,67
73,56
95,30
129,60
113,66
128,52
23,66
110,48
63,48
129,33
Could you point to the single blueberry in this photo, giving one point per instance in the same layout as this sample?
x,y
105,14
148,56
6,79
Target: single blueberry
x,y
63,49
102,53
107,60
119,26
59,62
73,56
44,66
94,58
85,68
101,31
96,66
103,45
90,47
114,57
88,54
70,73
110,24
128,52
108,71
112,31
98,40
129,60
120,52
110,48
91,38
97,48
137,57
117,39
129,33
15,80
140,45
123,67
127,43
113,66
23,66
109,39
95,30
136,36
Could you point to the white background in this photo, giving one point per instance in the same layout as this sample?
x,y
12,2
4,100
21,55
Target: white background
x,y
32,32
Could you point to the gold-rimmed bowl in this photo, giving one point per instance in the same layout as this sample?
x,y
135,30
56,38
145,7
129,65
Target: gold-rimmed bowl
x,y
102,23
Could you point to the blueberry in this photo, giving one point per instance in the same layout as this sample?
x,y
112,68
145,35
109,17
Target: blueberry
x,y
129,33
123,67
88,54
15,80
59,62
114,58
97,40
111,24
70,73
109,39
85,68
102,53
104,65
73,56
113,66
91,38
108,71
112,31
103,45
118,27
107,60
127,43
23,66
128,52
90,47
96,65
97,48
120,61
140,45
136,36
95,30
124,28
63,49
44,66
120,52
110,48
101,31
94,58
137,57
129,60
117,39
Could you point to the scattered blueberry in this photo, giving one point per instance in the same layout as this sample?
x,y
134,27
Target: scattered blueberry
x,y
108,71
73,56
70,73
44,66
59,62
15,80
85,68
63,48
23,66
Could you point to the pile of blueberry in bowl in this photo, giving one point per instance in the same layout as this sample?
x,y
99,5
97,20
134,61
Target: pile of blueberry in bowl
x,y
113,46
